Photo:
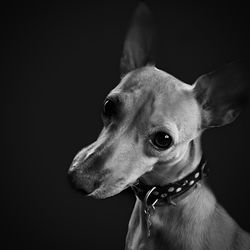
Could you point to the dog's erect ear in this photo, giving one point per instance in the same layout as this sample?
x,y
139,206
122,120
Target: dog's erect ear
x,y
223,93
137,51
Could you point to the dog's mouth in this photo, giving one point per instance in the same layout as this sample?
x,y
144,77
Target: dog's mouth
x,y
105,191
108,190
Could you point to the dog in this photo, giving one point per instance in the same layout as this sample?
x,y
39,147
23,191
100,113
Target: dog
x,y
151,142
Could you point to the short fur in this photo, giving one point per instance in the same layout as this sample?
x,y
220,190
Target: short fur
x,y
149,100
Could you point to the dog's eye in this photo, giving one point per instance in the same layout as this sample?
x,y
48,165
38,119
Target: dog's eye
x,y
109,108
161,140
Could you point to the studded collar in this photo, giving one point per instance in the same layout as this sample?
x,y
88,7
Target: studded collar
x,y
170,193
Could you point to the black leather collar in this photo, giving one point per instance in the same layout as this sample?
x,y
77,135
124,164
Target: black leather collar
x,y
155,195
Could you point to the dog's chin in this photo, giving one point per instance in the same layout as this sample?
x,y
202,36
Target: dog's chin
x,y
104,192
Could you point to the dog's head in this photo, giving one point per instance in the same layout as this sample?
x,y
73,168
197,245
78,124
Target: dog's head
x,y
151,118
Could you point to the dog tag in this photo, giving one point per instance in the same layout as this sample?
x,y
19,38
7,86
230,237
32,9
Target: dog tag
x,y
148,211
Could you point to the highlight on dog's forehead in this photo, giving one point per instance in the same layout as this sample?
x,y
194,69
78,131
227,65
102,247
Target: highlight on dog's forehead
x,y
150,77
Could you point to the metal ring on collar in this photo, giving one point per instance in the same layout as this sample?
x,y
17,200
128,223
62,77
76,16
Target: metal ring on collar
x,y
147,196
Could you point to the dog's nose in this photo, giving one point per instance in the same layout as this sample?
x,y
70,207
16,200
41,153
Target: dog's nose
x,y
76,182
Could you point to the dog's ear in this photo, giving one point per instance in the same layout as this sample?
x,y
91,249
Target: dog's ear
x,y
222,94
137,50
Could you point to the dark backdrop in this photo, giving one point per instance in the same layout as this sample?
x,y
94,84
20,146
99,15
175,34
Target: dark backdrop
x,y
59,62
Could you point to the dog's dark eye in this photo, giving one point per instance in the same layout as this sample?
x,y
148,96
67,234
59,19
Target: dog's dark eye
x,y
161,140
109,108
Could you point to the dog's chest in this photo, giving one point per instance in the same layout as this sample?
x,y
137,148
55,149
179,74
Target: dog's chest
x,y
138,240
163,234
140,236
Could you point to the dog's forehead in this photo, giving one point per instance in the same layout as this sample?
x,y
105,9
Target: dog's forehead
x,y
150,78
141,85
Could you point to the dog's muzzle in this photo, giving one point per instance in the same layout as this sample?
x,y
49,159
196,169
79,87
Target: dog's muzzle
x,y
82,180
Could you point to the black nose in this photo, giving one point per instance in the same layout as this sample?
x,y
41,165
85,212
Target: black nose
x,y
75,182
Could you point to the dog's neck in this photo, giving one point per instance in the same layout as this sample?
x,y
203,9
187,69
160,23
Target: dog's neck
x,y
190,211
188,161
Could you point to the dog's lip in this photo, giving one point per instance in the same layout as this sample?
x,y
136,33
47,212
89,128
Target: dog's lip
x,y
98,189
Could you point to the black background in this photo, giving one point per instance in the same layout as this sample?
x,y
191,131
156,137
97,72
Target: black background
x,y
59,62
